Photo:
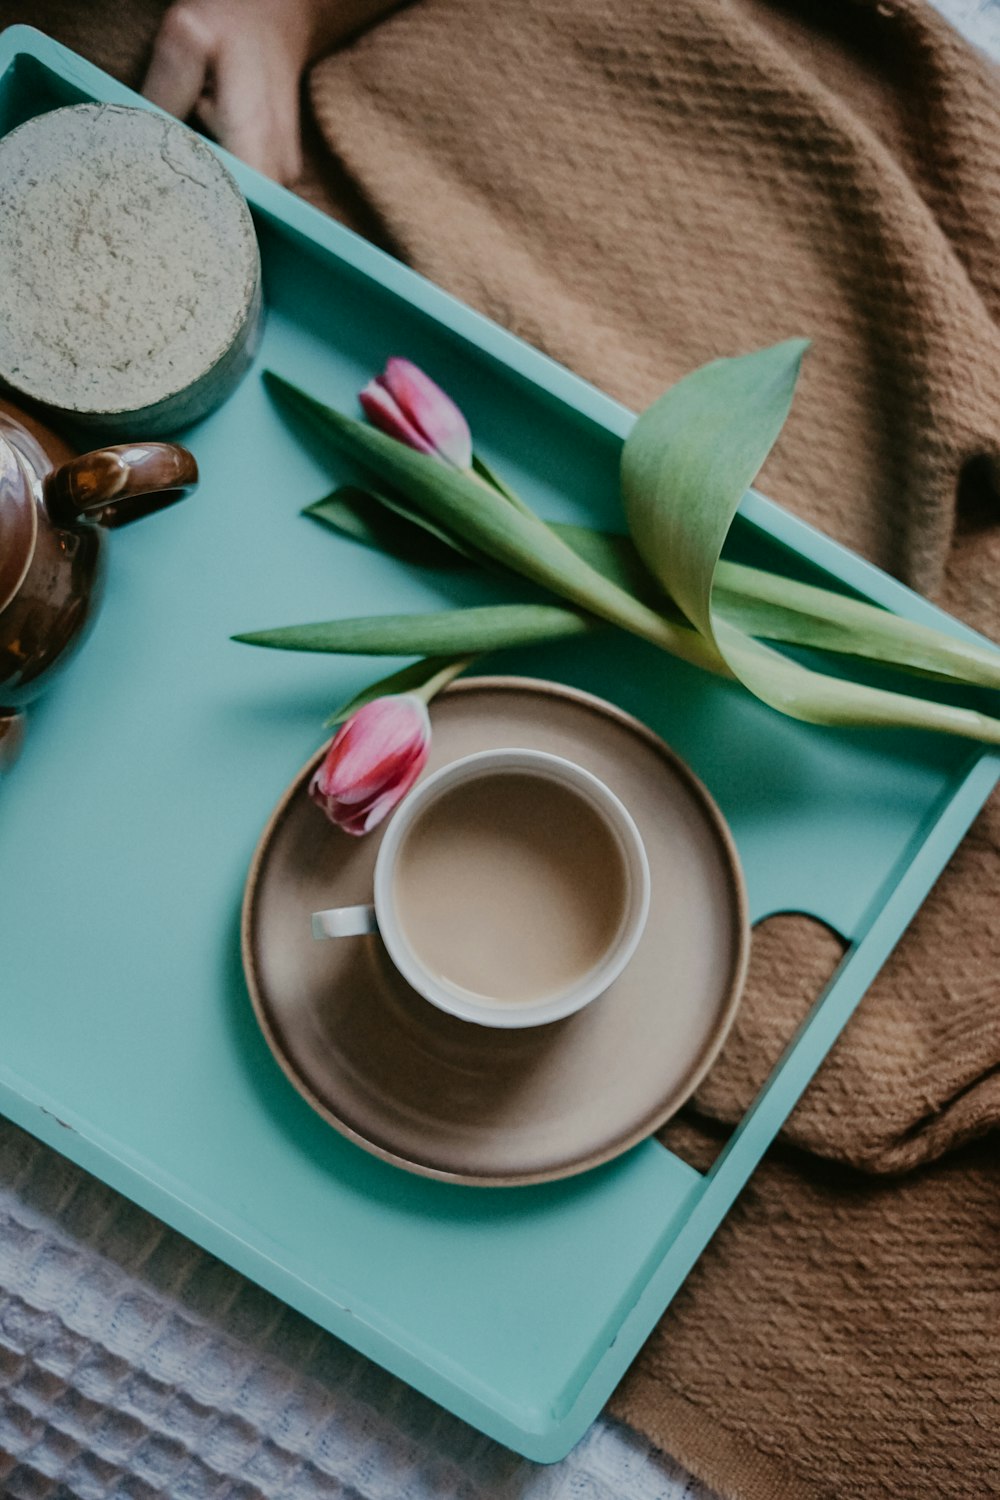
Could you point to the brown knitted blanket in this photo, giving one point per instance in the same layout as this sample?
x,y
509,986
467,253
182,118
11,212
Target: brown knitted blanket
x,y
636,186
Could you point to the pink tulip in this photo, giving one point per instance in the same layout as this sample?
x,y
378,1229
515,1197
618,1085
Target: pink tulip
x,y
376,756
405,403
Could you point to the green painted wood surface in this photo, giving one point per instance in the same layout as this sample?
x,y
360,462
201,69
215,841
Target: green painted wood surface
x,y
150,769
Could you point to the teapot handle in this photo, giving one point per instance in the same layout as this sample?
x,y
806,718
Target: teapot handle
x,y
115,485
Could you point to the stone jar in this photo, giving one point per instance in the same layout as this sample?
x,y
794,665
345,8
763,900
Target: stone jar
x,y
130,291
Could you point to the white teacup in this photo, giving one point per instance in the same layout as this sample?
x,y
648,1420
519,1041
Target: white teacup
x,y
511,889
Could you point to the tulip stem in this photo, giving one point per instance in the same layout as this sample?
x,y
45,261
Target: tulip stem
x,y
678,640
441,679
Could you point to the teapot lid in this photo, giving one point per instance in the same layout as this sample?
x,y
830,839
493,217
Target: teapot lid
x,y
18,523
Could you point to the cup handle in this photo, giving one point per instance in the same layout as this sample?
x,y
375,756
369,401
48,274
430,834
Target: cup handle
x,y
115,485
344,921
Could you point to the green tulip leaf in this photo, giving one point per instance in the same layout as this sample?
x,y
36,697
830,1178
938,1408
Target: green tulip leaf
x,y
470,508
690,459
492,478
686,465
616,559
384,524
452,633
775,608
767,605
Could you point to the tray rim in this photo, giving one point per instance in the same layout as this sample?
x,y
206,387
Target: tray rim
x,y
734,869
703,1201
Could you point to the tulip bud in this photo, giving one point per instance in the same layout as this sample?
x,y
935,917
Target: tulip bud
x,y
405,403
376,756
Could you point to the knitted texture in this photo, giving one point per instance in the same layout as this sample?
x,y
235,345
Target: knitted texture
x,y
839,1337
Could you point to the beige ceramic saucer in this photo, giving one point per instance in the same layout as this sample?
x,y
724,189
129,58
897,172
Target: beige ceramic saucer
x,y
449,1099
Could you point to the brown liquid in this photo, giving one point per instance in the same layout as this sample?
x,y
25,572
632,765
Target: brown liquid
x,y
510,887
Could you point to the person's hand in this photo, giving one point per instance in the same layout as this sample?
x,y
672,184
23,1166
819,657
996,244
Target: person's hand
x,y
236,65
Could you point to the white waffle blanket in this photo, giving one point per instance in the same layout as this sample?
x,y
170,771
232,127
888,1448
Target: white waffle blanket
x,y
133,1365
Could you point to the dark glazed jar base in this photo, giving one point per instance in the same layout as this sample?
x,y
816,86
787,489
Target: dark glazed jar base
x,y
11,738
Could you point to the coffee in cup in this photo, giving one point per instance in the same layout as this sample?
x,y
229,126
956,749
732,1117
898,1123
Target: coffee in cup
x,y
511,888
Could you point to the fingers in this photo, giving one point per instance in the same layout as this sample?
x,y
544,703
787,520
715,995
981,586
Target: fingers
x,y
181,61
255,109
241,81
207,115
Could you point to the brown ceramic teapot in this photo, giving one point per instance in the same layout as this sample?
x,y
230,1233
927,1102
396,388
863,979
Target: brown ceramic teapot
x,y
54,507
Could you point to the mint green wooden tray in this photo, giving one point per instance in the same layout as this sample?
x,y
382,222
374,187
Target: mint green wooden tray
x,y
150,769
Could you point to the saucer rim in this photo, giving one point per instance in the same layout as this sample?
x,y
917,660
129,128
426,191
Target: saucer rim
x,y
728,1006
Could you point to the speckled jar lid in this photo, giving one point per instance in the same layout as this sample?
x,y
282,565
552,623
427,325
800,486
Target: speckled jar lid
x,y
129,270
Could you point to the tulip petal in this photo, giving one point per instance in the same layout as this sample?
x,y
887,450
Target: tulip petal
x,y
374,759
374,743
383,805
381,410
430,409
